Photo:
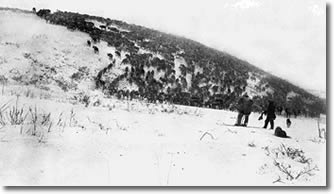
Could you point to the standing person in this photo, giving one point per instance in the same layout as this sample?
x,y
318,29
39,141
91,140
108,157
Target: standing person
x,y
247,111
287,112
270,112
241,104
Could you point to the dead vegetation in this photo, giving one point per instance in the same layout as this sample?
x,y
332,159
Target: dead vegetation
x,y
16,114
40,122
31,121
3,109
3,82
73,120
291,163
292,174
292,153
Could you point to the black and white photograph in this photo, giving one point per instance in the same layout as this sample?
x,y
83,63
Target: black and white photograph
x,y
224,93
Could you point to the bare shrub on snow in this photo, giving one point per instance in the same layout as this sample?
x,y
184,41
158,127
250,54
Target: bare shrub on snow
x,y
317,140
294,174
83,99
3,108
86,100
82,73
100,125
17,78
39,121
3,81
61,122
73,120
43,87
291,162
16,114
29,93
66,85
293,153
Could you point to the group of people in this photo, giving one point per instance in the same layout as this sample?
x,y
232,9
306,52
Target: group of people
x,y
245,105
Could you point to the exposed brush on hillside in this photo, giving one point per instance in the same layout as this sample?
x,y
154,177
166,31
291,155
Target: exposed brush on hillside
x,y
164,67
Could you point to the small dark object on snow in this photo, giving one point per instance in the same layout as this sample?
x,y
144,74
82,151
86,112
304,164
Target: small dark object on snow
x,y
118,53
288,122
110,56
95,39
88,42
96,50
279,132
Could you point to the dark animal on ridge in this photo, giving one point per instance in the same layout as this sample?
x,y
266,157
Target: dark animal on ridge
x,y
110,56
43,12
118,53
96,50
95,39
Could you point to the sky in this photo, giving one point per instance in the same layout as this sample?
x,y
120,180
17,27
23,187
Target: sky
x,y
284,37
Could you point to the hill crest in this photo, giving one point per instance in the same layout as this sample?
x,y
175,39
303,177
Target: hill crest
x,y
135,61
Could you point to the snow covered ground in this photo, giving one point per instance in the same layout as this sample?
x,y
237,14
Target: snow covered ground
x,y
143,145
128,143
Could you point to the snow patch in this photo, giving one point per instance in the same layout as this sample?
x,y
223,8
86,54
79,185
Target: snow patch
x,y
97,24
291,95
145,51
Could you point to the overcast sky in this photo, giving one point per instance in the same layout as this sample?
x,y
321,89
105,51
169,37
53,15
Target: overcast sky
x,y
286,38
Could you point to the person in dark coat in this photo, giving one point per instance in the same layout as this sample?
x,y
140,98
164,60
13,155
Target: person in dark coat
x,y
247,111
270,112
244,107
287,112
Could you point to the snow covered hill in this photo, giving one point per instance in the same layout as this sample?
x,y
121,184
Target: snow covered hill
x,y
52,58
178,70
56,128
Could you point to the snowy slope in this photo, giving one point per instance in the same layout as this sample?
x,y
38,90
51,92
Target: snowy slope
x,y
118,142
145,146
49,54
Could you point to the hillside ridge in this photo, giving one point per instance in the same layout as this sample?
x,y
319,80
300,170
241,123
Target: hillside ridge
x,y
157,66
